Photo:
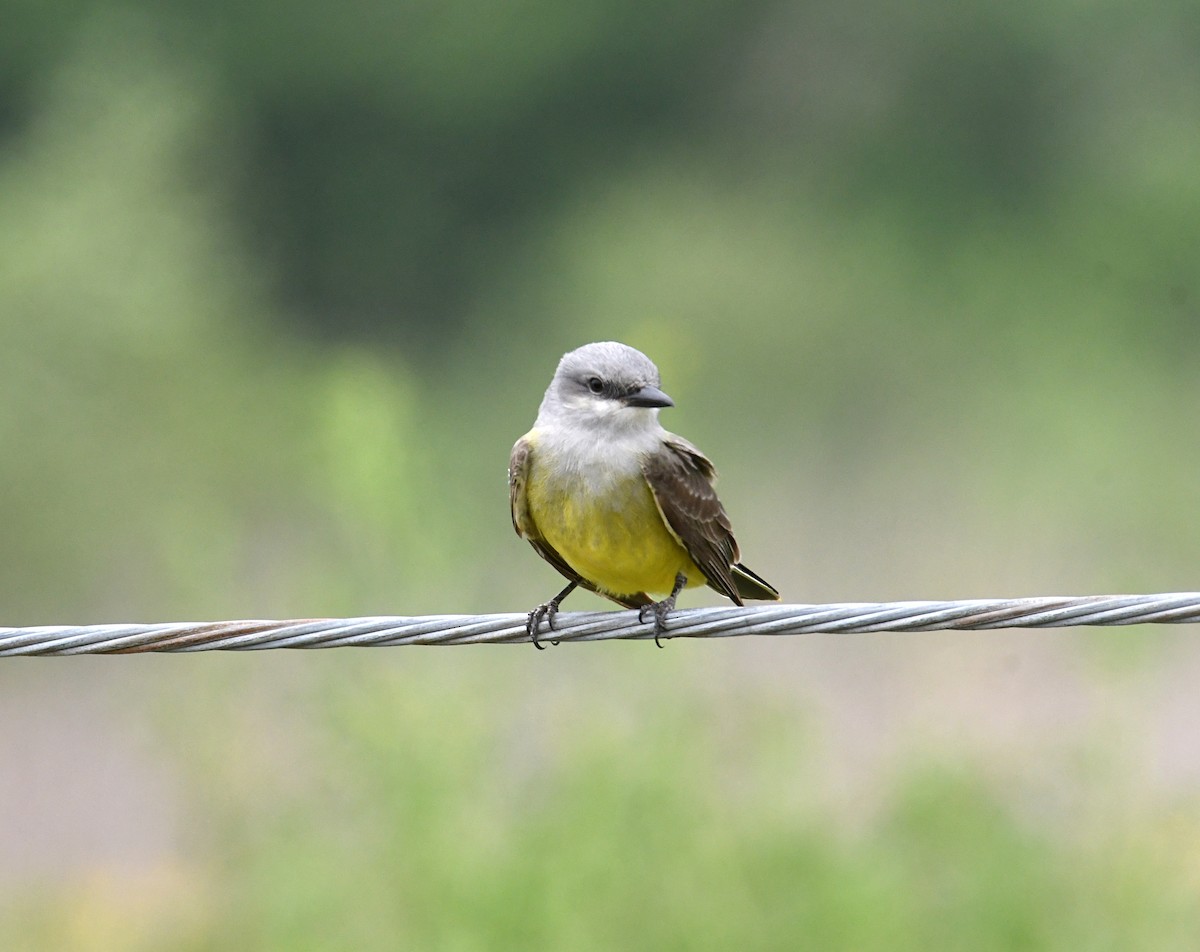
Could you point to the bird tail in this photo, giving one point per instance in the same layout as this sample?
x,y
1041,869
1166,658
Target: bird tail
x,y
750,585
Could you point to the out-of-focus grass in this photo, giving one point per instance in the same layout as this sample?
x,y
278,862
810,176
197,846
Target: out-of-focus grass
x,y
453,803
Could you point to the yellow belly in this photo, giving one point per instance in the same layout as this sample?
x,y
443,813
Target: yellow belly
x,y
617,539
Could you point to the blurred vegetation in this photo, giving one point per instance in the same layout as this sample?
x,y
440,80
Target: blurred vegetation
x,y
279,287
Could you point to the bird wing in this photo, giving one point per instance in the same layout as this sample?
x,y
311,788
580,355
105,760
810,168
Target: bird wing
x,y
522,518
681,479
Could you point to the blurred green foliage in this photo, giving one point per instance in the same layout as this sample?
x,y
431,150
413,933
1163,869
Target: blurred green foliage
x,y
382,810
281,284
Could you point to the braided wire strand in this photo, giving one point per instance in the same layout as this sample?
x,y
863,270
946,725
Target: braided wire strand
x,y
509,628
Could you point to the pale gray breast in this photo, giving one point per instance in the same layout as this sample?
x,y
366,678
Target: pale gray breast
x,y
584,461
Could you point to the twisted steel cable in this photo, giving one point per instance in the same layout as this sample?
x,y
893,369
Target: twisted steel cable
x,y
386,631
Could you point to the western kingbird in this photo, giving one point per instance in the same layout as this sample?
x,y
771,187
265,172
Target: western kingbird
x,y
615,502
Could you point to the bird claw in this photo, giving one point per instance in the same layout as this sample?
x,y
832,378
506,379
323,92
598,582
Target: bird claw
x,y
662,609
546,610
533,622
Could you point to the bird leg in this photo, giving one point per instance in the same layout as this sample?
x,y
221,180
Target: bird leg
x,y
663,608
546,610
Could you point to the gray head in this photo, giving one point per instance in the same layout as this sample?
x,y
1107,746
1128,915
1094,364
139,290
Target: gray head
x,y
607,382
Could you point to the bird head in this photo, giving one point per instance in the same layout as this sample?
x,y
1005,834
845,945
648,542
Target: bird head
x,y
606,384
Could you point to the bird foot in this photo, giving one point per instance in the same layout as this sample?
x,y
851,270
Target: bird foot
x,y
546,610
533,621
662,609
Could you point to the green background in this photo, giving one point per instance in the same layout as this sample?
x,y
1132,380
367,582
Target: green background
x,y
280,284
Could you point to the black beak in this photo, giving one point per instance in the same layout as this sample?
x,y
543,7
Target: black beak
x,y
648,397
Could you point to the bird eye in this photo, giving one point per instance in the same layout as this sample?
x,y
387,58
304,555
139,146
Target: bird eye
x,y
595,384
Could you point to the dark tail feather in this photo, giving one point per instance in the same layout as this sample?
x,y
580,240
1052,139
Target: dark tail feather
x,y
750,585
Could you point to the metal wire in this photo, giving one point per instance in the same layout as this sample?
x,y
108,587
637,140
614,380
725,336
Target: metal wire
x,y
381,631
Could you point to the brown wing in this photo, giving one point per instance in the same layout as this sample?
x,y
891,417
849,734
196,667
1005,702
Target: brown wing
x,y
518,477
681,479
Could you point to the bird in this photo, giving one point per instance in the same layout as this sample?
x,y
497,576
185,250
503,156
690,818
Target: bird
x,y
616,503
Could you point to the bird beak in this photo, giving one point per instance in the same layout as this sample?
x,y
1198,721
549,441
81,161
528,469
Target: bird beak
x,y
648,397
